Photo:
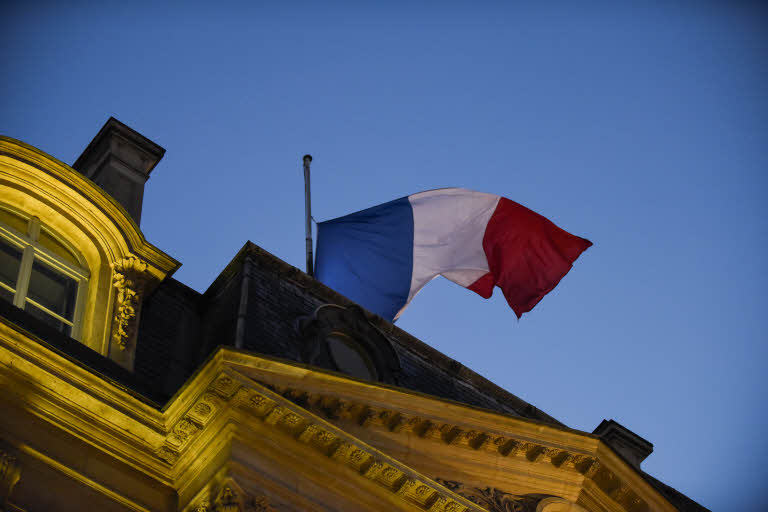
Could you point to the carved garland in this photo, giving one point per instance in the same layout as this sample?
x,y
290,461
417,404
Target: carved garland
x,y
366,416
129,279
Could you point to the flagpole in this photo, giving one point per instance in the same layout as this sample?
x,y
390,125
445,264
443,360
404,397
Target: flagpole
x,y
308,213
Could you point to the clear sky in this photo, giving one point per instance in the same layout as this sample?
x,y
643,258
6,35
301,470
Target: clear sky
x,y
642,127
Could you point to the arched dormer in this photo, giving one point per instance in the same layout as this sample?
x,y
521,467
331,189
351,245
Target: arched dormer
x,y
342,339
75,233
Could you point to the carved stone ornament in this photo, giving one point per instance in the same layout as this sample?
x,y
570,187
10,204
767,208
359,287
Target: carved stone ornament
x,y
351,322
279,414
493,499
222,389
9,475
232,499
129,278
340,411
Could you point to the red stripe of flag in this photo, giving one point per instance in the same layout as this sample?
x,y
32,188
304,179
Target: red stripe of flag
x,y
527,255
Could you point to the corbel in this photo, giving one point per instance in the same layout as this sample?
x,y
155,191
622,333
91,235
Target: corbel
x,y
129,279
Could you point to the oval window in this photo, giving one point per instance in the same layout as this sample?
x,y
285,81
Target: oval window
x,y
349,357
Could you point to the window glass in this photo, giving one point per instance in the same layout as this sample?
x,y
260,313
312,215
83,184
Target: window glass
x,y
53,291
48,319
10,260
56,247
39,272
6,295
350,357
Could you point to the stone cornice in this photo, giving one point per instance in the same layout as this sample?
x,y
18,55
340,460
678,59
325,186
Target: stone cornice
x,y
285,374
347,401
232,394
80,402
161,444
602,471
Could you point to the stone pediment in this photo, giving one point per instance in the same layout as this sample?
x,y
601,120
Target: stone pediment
x,y
481,452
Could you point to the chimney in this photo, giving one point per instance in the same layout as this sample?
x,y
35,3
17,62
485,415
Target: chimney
x,y
626,443
119,160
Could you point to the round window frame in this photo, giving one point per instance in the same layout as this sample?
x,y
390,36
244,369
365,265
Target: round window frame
x,y
350,322
355,346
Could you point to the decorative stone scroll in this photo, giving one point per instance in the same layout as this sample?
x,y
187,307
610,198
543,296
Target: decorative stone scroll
x,y
9,475
129,278
493,499
230,498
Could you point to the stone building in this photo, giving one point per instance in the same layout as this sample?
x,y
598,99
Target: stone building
x,y
123,389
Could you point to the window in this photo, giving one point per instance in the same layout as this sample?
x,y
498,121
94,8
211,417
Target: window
x,y
349,357
342,338
39,273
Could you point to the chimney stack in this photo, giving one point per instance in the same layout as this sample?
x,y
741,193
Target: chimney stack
x,y
119,160
626,443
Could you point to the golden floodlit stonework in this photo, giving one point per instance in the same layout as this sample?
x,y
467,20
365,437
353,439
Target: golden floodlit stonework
x,y
129,279
225,411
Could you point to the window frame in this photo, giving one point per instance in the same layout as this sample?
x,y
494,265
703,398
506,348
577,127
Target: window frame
x,y
351,322
32,250
358,348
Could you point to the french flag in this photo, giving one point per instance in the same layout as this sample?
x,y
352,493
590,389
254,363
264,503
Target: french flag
x,y
383,256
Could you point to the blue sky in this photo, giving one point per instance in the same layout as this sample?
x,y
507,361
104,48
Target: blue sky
x,y
642,127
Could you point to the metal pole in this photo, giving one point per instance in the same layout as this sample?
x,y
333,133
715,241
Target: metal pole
x,y
308,212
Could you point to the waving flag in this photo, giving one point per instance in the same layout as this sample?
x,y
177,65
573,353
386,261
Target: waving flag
x,y
381,257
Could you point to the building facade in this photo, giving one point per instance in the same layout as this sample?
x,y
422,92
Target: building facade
x,y
123,389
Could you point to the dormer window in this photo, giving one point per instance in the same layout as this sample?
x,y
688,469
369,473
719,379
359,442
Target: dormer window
x,y
342,339
39,273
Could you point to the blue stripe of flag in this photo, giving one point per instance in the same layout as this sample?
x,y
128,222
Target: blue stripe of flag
x,y
367,256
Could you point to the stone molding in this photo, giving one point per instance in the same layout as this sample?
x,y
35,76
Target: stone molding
x,y
525,450
168,445
229,391
95,225
87,197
